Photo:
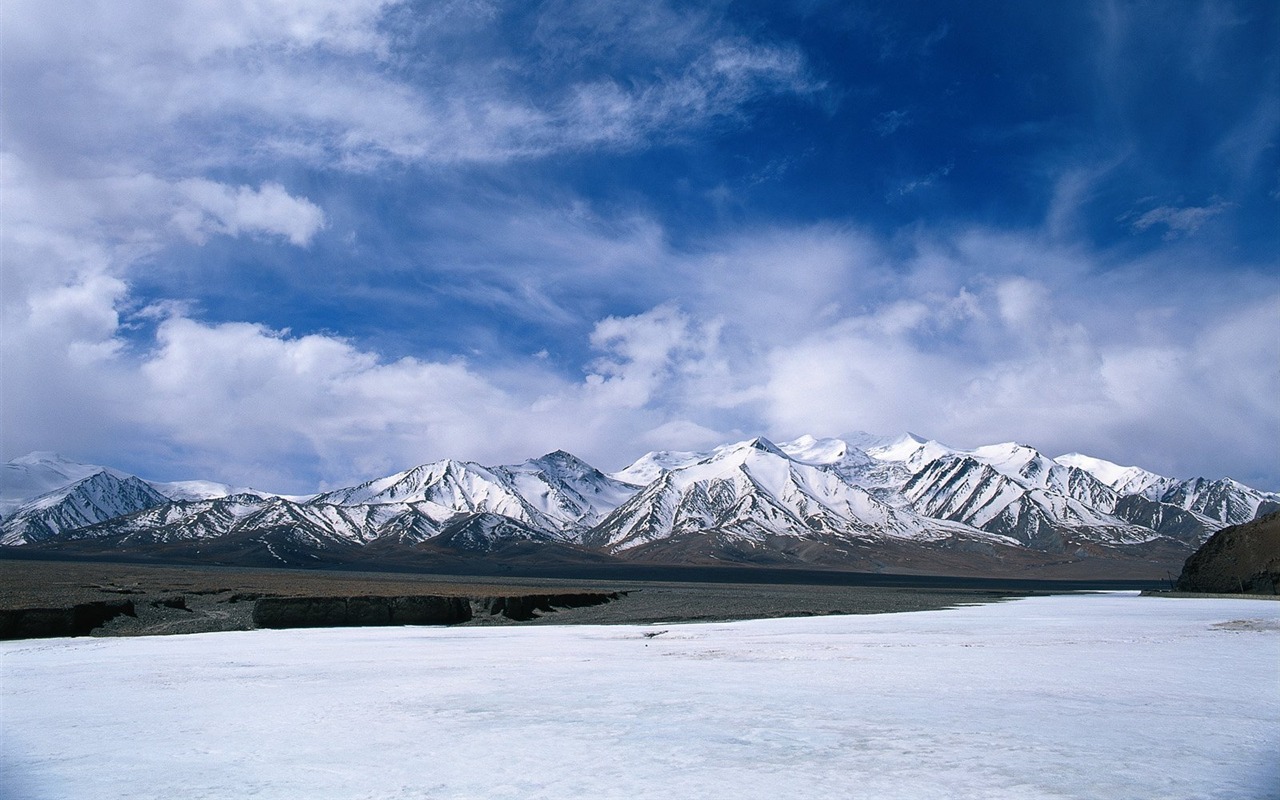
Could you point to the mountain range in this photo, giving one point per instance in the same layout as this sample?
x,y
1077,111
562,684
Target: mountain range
x,y
861,502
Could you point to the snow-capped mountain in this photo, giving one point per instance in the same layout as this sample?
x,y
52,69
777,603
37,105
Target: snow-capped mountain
x,y
851,463
557,492
1218,502
44,495
548,499
34,474
752,491
320,524
99,497
1031,503
1125,480
809,500
644,470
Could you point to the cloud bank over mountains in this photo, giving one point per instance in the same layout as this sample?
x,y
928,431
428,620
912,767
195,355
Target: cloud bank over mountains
x,y
305,246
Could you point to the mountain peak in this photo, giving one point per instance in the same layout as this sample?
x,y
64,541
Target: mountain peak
x,y
909,448
758,444
42,457
561,465
763,444
560,458
749,493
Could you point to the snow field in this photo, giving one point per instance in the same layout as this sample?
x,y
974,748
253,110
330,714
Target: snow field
x,y
1085,696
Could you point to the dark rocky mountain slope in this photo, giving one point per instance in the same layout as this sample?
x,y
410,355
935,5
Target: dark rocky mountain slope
x,y
1242,558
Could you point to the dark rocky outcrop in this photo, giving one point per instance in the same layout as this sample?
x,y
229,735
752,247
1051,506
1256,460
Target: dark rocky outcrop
x,y
178,602
527,606
328,612
77,620
1241,559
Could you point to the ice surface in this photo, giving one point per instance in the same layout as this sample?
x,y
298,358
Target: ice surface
x,y
1093,696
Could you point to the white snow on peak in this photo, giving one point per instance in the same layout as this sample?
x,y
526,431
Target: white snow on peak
x,y
101,496
812,450
646,469
28,477
567,489
555,492
45,458
42,472
913,450
758,444
1108,472
902,486
1126,480
189,491
752,490
1016,460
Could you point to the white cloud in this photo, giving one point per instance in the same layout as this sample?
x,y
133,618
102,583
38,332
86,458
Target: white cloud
x,y
923,182
888,122
1021,301
58,227
660,358
1179,220
244,394
197,31
218,208
327,82
993,337
1055,369
969,335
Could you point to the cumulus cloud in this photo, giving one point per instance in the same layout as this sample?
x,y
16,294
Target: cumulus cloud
x,y
957,342
141,134
245,394
1047,361
218,208
58,226
661,358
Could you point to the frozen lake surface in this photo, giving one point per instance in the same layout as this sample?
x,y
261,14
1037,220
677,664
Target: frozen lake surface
x,y
1088,696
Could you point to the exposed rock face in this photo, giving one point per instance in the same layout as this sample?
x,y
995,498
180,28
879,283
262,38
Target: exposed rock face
x,y
1240,559
328,612
78,620
527,606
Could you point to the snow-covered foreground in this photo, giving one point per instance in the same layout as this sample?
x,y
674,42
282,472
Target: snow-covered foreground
x,y
1106,696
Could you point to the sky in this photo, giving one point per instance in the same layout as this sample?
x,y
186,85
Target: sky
x,y
297,245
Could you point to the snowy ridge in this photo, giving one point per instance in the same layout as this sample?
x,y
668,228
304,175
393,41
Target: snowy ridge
x,y
753,490
740,497
212,490
35,474
1125,480
1223,501
99,497
555,492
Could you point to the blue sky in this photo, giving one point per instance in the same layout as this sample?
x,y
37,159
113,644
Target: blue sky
x,y
298,246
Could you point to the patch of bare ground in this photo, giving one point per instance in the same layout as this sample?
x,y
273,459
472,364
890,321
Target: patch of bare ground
x,y
164,599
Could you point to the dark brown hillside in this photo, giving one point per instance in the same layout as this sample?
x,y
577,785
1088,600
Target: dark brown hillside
x,y
1240,559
